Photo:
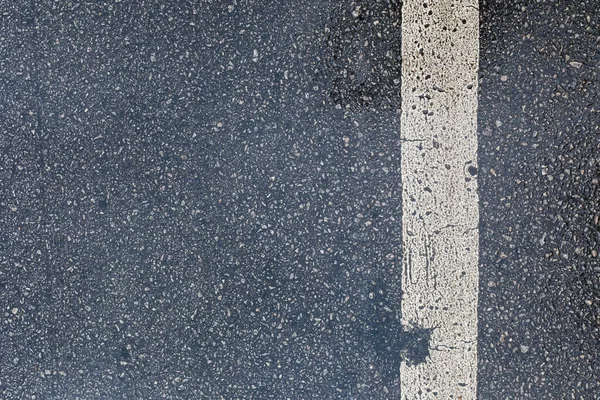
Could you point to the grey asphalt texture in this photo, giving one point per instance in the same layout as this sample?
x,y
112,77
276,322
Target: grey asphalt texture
x,y
199,201
539,155
204,201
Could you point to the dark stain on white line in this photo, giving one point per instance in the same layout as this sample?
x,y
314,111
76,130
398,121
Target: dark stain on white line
x,y
414,345
394,344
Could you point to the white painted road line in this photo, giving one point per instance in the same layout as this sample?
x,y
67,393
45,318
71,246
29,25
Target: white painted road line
x,y
440,50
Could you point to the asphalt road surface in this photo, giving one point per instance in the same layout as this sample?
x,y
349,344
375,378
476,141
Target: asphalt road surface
x,y
204,200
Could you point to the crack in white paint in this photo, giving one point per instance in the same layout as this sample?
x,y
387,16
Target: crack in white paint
x,y
440,56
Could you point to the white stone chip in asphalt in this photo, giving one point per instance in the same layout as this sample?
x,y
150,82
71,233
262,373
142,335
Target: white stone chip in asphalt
x,y
440,55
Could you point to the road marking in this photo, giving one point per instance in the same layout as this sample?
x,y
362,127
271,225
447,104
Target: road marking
x,y
440,211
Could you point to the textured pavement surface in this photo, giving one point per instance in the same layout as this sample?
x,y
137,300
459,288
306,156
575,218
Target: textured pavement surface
x,y
199,201
539,151
202,200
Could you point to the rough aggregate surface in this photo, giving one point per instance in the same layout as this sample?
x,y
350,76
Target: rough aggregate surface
x,y
539,155
198,201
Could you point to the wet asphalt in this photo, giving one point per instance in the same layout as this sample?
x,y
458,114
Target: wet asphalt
x,y
204,201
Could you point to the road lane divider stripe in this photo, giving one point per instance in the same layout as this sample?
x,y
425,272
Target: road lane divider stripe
x,y
440,205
